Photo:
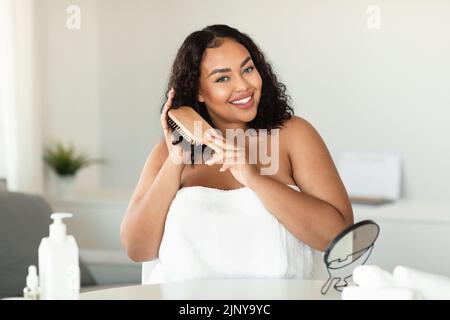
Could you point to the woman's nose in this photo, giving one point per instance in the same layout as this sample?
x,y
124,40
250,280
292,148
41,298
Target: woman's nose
x,y
242,84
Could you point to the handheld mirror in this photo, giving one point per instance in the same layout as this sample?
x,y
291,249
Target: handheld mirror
x,y
351,248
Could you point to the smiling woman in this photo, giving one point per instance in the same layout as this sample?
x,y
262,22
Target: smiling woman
x,y
227,218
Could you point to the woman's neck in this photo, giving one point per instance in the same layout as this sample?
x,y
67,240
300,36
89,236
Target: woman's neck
x,y
223,126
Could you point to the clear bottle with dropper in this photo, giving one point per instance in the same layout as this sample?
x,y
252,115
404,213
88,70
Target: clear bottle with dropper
x,y
31,291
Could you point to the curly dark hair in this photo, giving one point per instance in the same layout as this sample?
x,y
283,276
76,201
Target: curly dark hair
x,y
274,107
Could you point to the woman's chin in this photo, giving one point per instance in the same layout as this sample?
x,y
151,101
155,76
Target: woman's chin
x,y
250,116
246,115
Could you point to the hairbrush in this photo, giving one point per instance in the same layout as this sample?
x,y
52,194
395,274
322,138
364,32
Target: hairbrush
x,y
183,120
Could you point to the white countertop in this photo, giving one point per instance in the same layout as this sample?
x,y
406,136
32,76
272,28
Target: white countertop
x,y
229,289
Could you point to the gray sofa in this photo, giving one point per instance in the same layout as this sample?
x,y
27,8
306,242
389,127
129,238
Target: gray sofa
x,y
24,221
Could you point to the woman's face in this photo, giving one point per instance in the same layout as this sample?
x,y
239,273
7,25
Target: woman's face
x,y
230,85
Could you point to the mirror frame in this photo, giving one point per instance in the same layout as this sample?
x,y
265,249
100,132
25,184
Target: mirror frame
x,y
344,232
333,243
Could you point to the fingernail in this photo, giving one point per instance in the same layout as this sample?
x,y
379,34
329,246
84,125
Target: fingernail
x,y
222,170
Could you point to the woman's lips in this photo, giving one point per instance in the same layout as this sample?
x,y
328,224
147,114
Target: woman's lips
x,y
246,105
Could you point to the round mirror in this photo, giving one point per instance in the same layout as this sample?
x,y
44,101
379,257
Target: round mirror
x,y
351,248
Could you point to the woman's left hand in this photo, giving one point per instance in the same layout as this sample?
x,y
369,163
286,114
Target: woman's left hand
x,y
233,158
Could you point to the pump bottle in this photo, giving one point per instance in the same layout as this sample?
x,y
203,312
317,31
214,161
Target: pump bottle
x,y
58,262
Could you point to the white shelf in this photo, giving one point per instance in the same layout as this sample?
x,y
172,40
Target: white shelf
x,y
402,211
406,211
113,257
98,199
111,266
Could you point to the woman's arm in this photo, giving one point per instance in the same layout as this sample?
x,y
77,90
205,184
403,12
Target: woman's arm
x,y
142,227
322,210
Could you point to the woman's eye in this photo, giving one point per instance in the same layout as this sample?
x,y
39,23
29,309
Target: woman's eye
x,y
251,68
222,79
246,70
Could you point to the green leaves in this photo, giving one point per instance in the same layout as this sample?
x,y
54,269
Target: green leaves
x,y
66,161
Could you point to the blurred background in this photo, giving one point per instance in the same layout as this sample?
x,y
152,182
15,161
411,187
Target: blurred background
x,y
371,76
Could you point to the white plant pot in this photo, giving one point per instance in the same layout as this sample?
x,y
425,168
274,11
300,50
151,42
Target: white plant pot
x,y
65,187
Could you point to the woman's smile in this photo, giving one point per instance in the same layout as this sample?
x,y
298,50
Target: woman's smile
x,y
244,103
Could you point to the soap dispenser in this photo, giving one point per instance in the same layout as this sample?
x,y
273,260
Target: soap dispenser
x,y
59,268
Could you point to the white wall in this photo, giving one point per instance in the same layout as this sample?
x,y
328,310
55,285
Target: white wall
x,y
69,79
69,75
135,51
382,91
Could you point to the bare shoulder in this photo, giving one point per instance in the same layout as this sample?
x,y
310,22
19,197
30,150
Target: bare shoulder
x,y
296,122
298,132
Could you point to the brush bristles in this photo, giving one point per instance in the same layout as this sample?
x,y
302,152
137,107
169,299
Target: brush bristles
x,y
177,128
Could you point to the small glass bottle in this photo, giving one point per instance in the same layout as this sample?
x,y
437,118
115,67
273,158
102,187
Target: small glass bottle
x,y
31,291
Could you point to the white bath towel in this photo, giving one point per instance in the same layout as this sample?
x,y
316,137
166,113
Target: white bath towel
x,y
216,234
431,286
362,293
405,283
373,277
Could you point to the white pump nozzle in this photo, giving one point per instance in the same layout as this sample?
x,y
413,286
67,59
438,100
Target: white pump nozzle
x,y
32,278
58,228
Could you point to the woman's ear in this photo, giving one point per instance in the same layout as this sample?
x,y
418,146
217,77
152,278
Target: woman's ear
x,y
200,97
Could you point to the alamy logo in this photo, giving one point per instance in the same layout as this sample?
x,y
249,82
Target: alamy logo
x,y
237,150
373,21
74,19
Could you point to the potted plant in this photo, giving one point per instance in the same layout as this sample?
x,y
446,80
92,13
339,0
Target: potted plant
x,y
66,161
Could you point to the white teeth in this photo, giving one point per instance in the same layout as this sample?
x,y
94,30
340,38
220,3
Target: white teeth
x,y
242,101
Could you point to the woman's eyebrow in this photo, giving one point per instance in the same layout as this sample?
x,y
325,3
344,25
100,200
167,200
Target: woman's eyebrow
x,y
228,69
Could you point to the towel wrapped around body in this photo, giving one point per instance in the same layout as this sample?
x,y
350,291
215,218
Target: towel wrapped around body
x,y
216,234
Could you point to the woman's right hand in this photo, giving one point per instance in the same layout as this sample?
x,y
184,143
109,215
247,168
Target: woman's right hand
x,y
176,151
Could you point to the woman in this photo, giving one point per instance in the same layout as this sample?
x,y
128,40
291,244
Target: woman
x,y
223,218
